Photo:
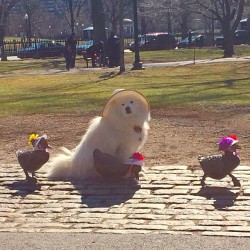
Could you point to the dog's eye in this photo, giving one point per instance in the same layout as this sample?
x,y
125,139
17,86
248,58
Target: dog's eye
x,y
131,102
123,104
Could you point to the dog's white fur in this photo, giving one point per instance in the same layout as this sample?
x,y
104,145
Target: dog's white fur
x,y
121,132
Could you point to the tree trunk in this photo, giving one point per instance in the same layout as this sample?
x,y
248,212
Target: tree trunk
x,y
5,8
169,25
121,35
228,13
143,20
228,42
143,26
2,32
72,20
114,25
228,34
184,25
98,18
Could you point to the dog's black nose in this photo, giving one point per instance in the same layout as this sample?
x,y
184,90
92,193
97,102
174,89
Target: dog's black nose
x,y
128,110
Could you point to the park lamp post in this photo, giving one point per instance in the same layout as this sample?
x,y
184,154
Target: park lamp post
x,y
137,63
50,32
82,30
77,29
28,28
26,17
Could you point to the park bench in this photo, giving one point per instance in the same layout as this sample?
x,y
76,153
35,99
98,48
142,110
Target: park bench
x,y
88,59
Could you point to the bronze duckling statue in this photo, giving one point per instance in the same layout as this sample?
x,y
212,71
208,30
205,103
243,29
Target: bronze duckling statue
x,y
111,168
32,160
219,166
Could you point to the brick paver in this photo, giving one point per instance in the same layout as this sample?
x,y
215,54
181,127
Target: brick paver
x,y
167,199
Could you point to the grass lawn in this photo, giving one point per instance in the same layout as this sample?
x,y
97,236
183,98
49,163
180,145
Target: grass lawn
x,y
212,85
146,57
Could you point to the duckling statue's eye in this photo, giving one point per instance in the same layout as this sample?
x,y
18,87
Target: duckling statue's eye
x,y
131,102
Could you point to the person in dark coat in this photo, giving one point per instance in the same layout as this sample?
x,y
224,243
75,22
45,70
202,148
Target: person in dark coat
x,y
113,50
71,45
190,38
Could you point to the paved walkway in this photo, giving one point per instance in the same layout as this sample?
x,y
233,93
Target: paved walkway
x,y
167,199
145,65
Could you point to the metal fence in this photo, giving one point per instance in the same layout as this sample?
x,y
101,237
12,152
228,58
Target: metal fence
x,y
11,48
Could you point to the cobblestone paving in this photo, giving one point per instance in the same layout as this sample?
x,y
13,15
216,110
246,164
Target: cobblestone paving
x,y
167,199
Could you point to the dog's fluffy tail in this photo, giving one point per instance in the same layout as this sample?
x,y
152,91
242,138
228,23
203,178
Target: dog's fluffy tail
x,y
61,165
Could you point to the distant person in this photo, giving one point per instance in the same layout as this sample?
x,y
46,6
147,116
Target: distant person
x,y
190,38
71,45
113,50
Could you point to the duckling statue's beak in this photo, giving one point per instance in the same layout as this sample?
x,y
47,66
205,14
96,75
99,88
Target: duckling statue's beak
x,y
237,146
234,148
42,144
46,145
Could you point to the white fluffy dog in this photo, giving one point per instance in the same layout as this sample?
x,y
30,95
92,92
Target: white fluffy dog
x,y
120,131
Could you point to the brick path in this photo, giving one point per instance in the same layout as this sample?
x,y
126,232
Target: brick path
x,y
168,199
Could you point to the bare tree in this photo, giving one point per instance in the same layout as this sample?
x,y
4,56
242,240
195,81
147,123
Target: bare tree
x,y
169,12
228,13
72,10
6,7
30,15
112,12
44,23
183,11
150,12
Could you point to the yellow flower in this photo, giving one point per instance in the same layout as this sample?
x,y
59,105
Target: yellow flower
x,y
32,138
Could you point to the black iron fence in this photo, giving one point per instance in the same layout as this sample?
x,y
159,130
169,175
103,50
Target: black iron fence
x,y
15,47
11,48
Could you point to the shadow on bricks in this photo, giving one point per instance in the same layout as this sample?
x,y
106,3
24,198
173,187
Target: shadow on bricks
x,y
223,197
24,187
105,192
